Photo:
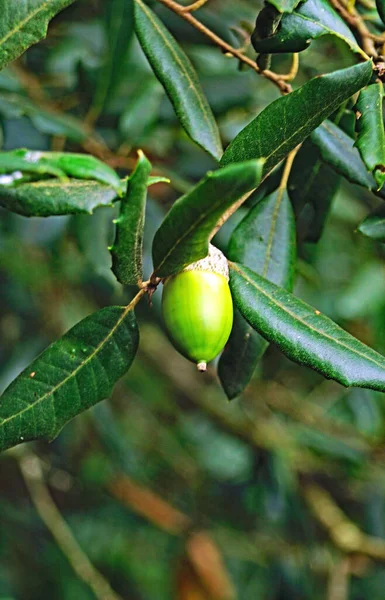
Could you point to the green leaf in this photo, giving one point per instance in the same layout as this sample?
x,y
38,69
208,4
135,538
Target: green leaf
x,y
311,20
285,6
289,120
264,241
337,149
370,127
71,375
312,183
59,164
178,77
373,226
119,26
49,122
52,197
183,237
380,5
128,246
303,334
23,24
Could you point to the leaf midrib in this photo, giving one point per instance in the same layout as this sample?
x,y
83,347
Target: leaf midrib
x,y
287,140
21,24
184,70
72,374
305,323
201,218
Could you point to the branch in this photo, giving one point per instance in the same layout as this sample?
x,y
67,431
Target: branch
x,y
277,79
31,470
354,20
344,533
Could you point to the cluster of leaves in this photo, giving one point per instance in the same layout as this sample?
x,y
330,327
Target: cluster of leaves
x,y
38,403
277,232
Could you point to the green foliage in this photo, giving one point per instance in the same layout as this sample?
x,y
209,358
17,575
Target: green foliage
x,y
264,241
130,225
311,20
265,137
184,235
71,375
370,126
25,23
48,197
288,480
179,79
323,346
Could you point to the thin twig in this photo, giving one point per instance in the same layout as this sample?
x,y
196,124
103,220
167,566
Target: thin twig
x,y
344,533
354,20
277,79
292,74
32,473
338,584
194,6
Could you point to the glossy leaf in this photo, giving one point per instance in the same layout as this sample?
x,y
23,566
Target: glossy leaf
x,y
59,164
264,241
303,334
373,225
370,127
337,149
128,246
50,197
119,28
311,19
300,112
312,183
183,237
71,375
23,24
178,77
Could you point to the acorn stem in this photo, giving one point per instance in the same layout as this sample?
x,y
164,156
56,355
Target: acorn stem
x,y
202,366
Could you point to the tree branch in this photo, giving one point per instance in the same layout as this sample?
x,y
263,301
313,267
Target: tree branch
x,y
277,79
31,470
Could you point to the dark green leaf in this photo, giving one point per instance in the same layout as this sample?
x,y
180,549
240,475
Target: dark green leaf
x,y
374,225
303,334
119,30
177,75
51,197
184,234
289,120
23,24
311,20
337,149
370,127
314,184
265,242
128,246
71,375
380,4
285,6
60,164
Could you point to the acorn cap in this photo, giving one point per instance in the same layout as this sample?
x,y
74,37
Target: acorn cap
x,y
214,262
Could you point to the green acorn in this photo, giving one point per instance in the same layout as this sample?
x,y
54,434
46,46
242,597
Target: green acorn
x,y
198,309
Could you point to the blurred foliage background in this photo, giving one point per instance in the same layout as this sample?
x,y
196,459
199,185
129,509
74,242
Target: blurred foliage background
x,y
170,490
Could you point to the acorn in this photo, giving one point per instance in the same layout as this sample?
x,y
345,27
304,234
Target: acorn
x,y
198,309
